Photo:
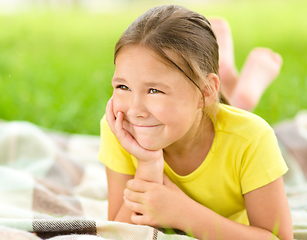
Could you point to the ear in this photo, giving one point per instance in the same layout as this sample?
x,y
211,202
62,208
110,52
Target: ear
x,y
210,88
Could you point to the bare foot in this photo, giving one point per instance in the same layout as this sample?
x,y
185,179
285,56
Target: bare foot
x,y
260,69
228,71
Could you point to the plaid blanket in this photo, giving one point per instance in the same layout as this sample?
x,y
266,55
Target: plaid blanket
x,y
292,138
53,187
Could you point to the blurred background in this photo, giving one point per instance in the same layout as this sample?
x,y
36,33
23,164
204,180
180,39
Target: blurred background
x,y
56,56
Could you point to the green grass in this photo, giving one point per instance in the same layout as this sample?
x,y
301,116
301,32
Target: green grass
x,y
55,67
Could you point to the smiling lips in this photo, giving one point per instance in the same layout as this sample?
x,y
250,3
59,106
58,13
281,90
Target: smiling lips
x,y
140,126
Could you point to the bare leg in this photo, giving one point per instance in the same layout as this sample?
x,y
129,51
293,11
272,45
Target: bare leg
x,y
260,69
228,71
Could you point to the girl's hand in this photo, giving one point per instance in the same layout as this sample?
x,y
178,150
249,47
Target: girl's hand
x,y
155,204
126,139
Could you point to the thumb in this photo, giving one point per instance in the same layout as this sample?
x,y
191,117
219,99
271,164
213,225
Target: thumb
x,y
167,181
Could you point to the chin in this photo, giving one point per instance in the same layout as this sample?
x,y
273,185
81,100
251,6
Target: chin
x,y
149,145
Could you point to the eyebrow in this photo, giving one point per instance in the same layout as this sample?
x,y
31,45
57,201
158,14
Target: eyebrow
x,y
147,84
118,80
155,84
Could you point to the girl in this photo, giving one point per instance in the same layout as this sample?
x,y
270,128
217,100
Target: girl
x,y
175,156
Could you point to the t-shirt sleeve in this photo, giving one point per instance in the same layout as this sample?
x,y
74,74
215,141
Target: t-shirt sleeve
x,y
112,154
262,161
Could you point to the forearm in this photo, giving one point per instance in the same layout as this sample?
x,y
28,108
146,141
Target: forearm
x,y
203,223
123,215
150,171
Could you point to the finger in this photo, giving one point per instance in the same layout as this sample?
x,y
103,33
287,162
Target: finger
x,y
137,218
119,122
166,181
133,196
138,185
110,114
143,219
116,122
134,206
121,133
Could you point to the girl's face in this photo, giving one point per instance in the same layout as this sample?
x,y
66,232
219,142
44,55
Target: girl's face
x,y
161,106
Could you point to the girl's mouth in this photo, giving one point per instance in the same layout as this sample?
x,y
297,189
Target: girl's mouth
x,y
144,126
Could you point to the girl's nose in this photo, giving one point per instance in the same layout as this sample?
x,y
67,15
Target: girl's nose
x,y
137,108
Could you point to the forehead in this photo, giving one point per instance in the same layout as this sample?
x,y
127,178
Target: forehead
x,y
165,56
141,64
141,60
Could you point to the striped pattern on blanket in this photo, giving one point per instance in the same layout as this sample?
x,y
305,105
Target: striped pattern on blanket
x,y
53,186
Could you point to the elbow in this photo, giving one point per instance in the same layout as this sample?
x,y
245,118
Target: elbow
x,y
284,236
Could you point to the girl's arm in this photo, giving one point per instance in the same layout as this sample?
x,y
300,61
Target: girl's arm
x,y
268,212
150,167
267,209
117,211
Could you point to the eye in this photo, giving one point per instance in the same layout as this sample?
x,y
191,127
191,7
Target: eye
x,y
152,91
122,87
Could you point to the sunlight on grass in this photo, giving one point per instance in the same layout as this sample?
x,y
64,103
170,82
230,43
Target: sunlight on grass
x,y
55,68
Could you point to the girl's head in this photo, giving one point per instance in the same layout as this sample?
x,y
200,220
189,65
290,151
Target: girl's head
x,y
166,67
181,31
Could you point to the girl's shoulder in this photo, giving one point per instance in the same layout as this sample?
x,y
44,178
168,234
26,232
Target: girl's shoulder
x,y
240,122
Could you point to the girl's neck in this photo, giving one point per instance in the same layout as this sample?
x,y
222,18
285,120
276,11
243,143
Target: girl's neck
x,y
186,156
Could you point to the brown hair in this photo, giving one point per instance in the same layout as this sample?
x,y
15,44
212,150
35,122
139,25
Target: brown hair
x,y
182,31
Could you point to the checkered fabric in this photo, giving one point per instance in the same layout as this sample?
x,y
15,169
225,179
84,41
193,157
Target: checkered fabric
x,y
52,185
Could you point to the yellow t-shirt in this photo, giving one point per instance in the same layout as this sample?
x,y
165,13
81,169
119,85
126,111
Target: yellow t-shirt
x,y
244,156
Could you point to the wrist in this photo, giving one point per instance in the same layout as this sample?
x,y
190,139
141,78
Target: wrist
x,y
154,161
151,171
151,157
154,165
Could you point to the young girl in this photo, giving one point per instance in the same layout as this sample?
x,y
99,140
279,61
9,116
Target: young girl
x,y
175,156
